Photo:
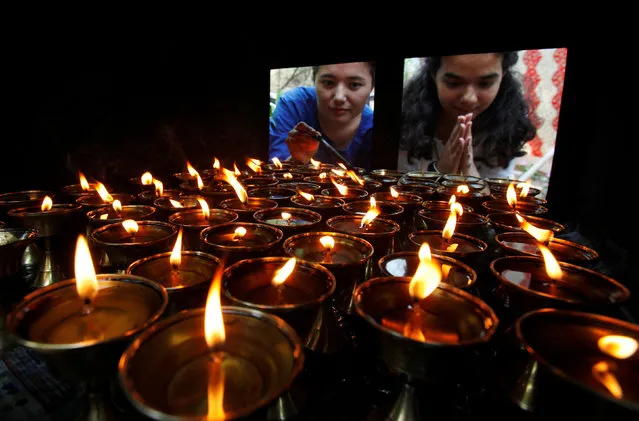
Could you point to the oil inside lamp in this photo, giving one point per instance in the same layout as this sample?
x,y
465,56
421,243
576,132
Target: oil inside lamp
x,y
328,243
619,347
215,337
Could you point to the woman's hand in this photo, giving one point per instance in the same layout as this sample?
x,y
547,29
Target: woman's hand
x,y
467,163
450,160
303,142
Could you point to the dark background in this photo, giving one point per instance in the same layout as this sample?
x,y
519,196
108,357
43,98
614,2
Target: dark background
x,y
114,104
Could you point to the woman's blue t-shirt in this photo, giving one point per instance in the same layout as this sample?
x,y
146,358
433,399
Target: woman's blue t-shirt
x,y
300,104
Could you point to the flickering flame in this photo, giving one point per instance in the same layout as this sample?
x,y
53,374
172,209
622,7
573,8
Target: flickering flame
x,y
104,216
372,213
277,162
215,335
117,206
343,190
603,372
239,233
328,242
254,165
457,208
130,226
216,163
525,187
83,182
452,200
394,192
146,179
200,183
286,216
85,280
342,165
541,235
618,346
315,164
287,175
175,203
104,194
205,207
191,170
229,177
511,195
463,189
213,321
159,187
236,169
323,175
282,274
552,267
451,223
176,254
427,276
47,204
339,173
306,196
451,248
355,177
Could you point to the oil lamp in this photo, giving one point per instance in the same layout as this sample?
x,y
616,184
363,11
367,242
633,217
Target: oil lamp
x,y
423,329
290,220
193,221
281,195
103,198
13,243
83,188
218,363
144,182
127,241
57,225
168,205
240,240
148,197
186,275
507,222
243,205
81,326
326,206
301,186
341,191
571,364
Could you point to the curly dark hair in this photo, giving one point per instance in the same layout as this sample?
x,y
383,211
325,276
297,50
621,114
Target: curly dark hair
x,y
505,126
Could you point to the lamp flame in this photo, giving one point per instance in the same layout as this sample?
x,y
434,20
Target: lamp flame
x,y
306,196
200,183
511,195
287,175
328,242
525,187
372,213
205,207
286,216
86,281
323,175
236,169
192,171
341,164
394,192
117,206
315,164
130,226
618,346
215,336
451,223
343,190
339,173
176,254
254,164
159,187
146,179
604,373
104,216
103,192
83,182
552,266
47,204
239,233
216,163
282,274
541,235
229,177
463,189
427,276
356,178
175,203
277,162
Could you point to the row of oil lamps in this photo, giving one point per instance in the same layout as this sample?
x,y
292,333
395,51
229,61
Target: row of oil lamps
x,y
278,247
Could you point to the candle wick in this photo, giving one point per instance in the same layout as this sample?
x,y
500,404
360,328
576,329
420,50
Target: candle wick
x,y
87,307
174,266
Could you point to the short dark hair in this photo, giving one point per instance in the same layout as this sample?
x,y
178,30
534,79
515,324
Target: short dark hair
x,y
371,68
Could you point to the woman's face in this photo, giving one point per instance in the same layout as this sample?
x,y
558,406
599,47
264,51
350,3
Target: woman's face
x,y
468,83
343,90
